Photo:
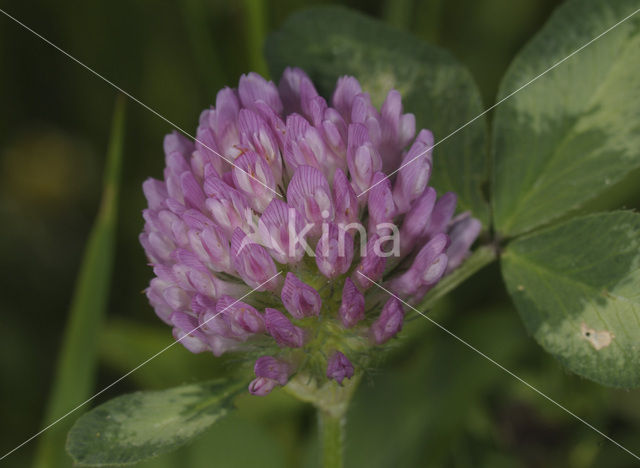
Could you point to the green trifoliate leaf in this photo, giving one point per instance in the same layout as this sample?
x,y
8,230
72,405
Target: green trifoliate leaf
x,y
329,42
141,425
576,130
577,288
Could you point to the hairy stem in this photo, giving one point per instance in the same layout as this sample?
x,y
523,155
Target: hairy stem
x,y
332,430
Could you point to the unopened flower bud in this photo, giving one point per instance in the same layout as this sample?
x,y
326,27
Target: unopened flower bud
x,y
339,367
272,368
261,386
282,330
300,299
352,307
389,323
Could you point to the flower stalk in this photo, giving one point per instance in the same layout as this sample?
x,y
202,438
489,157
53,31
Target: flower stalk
x,y
332,434
331,402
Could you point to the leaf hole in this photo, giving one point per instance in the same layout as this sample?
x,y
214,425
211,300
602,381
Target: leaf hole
x,y
597,338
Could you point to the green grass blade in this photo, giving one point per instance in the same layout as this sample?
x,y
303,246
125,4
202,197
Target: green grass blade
x,y
256,26
77,360
213,71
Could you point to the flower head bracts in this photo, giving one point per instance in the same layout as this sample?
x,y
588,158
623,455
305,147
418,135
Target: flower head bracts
x,y
272,250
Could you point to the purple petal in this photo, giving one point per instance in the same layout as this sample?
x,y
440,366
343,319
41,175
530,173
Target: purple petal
x,y
414,176
175,142
253,263
396,129
200,304
177,227
261,386
372,264
252,176
427,268
339,367
416,220
314,109
176,163
334,130
172,226
304,145
389,323
195,279
258,135
186,331
381,206
309,193
442,213
272,368
212,321
212,248
352,307
208,151
295,87
196,219
463,233
227,106
253,88
391,112
243,319
363,159
220,345
346,90
226,205
346,202
155,192
281,232
222,122
192,190
357,135
334,251
157,246
300,299
362,110
177,298
282,330
276,124
201,163
176,166
155,295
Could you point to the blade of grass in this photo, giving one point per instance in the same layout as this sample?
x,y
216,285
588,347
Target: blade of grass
x,y
214,74
76,368
256,29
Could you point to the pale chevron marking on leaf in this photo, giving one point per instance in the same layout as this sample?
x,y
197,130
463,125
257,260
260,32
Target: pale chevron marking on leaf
x,y
584,271
493,361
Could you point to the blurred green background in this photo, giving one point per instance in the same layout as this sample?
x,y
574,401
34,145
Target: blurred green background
x,y
432,403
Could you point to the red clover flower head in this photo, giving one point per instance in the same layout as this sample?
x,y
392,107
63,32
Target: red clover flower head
x,y
267,234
